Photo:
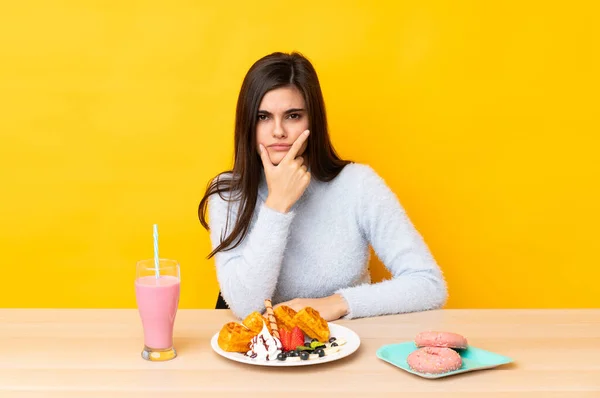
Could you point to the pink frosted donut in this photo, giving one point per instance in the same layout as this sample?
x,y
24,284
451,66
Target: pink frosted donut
x,y
440,339
434,360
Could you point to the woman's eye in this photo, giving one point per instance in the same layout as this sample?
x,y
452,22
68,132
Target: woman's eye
x,y
294,116
262,117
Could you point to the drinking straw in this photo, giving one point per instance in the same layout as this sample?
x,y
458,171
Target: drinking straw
x,y
156,272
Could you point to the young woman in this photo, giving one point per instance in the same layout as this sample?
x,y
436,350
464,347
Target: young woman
x,y
292,221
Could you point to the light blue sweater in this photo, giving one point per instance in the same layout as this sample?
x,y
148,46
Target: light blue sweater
x,y
321,247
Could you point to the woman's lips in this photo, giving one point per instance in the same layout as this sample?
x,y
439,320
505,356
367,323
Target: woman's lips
x,y
280,147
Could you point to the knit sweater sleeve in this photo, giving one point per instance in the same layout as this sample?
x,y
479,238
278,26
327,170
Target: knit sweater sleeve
x,y
248,273
417,283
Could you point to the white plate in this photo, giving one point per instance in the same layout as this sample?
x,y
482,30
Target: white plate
x,y
337,331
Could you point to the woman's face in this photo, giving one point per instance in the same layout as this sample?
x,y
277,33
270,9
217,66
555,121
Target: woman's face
x,y
281,118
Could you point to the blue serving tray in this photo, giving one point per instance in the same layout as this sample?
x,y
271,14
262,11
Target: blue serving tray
x,y
473,359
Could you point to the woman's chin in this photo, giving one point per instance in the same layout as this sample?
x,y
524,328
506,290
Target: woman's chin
x,y
276,158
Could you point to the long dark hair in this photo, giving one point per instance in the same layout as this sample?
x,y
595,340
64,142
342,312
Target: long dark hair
x,y
241,183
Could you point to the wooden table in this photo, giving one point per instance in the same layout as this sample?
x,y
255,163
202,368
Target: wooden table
x,y
96,353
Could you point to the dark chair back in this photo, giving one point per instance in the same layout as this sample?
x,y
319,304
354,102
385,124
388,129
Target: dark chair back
x,y
221,304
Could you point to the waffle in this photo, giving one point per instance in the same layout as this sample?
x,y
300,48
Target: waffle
x,y
285,317
235,337
312,324
255,321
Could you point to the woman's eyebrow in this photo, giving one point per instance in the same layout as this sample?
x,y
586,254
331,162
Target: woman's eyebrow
x,y
292,110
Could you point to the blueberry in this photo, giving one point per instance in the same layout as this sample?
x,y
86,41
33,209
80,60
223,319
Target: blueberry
x,y
321,352
334,344
331,340
281,356
304,355
314,341
307,344
292,353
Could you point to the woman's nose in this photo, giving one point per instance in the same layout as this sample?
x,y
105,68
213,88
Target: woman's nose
x,y
278,131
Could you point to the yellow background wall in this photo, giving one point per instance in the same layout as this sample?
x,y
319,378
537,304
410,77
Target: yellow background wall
x,y
481,116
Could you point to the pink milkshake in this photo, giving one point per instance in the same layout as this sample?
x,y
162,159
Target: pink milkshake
x,y
157,301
